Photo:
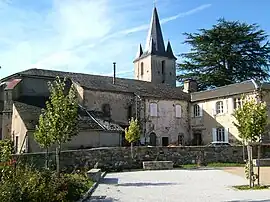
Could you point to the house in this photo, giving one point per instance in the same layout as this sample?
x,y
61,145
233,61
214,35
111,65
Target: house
x,y
211,116
167,114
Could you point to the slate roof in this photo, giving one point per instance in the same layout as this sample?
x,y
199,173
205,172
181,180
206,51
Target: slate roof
x,y
228,90
104,83
29,109
154,43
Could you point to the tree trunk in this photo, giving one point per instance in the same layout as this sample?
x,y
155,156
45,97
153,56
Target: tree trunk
x,y
259,158
244,156
46,159
57,152
249,150
131,149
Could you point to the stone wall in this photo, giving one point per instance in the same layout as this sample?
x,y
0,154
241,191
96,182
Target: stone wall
x,y
118,158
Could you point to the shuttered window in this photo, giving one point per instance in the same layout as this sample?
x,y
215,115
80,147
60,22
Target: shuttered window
x,y
153,109
178,111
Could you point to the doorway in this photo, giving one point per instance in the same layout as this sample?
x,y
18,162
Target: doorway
x,y
153,139
165,141
197,140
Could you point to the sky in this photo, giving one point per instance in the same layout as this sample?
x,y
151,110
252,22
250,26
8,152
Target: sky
x,y
87,36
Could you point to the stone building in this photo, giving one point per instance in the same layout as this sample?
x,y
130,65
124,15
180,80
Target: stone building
x,y
167,114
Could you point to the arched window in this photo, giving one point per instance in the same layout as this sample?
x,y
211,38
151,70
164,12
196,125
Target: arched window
x,y
219,107
141,68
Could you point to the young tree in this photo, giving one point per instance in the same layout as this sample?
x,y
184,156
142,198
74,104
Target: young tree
x,y
58,122
227,53
251,122
132,134
42,134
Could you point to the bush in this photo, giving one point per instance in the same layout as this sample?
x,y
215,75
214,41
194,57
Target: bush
x,y
31,185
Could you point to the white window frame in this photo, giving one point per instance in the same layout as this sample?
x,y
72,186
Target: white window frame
x,y
178,111
220,134
219,107
153,109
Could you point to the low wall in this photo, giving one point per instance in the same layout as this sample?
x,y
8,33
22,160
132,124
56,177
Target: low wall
x,y
118,158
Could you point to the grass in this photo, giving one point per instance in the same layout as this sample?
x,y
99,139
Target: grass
x,y
256,187
190,166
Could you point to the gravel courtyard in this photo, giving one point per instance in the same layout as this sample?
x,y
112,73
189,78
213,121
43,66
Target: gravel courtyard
x,y
175,186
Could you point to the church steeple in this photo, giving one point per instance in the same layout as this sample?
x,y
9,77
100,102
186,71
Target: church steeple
x,y
155,34
155,64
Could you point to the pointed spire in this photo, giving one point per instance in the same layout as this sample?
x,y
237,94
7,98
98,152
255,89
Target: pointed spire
x,y
169,51
140,51
151,49
155,34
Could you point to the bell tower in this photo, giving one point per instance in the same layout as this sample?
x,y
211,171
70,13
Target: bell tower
x,y
155,64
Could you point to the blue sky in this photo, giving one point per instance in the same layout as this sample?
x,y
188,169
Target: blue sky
x,y
89,35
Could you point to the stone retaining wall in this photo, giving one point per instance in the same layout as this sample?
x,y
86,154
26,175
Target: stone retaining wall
x,y
118,158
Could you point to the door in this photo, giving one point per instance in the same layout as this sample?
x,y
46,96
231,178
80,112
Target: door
x,y
197,140
153,139
165,141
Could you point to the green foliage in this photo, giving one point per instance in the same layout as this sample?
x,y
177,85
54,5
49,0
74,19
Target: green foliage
x,y
132,134
246,187
251,119
32,185
58,122
227,53
6,161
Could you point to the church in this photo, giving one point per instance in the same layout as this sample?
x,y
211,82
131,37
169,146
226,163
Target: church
x,y
168,115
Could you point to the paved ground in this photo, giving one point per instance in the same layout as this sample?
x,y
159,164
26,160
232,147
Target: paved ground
x,y
264,173
175,186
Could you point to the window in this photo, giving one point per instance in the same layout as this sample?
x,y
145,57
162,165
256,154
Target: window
x,y
237,103
219,107
220,135
180,139
153,109
106,109
163,67
129,112
196,110
178,111
141,68
16,144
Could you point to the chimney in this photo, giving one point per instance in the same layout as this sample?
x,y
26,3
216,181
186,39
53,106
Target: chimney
x,y
114,63
190,86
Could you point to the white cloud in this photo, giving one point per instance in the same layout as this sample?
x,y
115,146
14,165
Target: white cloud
x,y
71,35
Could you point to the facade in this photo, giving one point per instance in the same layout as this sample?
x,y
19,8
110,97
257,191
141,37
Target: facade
x,y
211,111
168,115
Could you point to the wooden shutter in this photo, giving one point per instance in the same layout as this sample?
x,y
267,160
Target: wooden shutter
x,y
178,110
230,105
226,134
153,109
214,134
201,109
225,106
214,108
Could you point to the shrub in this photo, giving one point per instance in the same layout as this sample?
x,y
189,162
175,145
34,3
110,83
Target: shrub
x,y
31,185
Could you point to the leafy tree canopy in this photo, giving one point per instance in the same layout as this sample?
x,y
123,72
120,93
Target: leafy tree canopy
x,y
251,119
58,122
227,53
132,134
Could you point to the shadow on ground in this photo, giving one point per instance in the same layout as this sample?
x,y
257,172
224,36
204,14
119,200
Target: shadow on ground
x,y
114,181
265,200
142,184
102,199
